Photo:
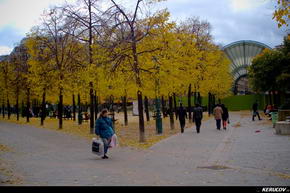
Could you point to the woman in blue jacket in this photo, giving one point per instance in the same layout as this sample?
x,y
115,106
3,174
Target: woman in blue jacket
x,y
104,129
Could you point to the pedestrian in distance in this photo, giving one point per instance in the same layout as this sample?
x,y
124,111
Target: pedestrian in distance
x,y
104,129
218,112
197,116
182,114
255,111
225,116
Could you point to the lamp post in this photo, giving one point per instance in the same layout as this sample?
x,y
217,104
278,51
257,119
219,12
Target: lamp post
x,y
157,97
111,109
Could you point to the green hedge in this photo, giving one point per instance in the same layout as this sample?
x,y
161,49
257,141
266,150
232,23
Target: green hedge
x,y
243,102
234,103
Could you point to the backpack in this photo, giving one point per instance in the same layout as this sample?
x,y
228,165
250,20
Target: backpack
x,y
198,113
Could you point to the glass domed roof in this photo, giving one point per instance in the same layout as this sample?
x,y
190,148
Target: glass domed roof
x,y
241,54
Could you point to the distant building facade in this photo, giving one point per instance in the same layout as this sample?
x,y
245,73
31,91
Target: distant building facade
x,y
241,54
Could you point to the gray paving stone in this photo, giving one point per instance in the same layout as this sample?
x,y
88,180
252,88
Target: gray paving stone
x,y
239,156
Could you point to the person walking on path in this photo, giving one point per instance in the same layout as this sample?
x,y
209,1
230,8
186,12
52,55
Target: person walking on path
x,y
217,112
225,116
255,111
197,116
182,114
104,129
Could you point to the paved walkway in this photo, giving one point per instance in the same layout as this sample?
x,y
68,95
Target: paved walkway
x,y
237,156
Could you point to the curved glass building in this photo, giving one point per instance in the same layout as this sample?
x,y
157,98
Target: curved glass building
x,y
241,54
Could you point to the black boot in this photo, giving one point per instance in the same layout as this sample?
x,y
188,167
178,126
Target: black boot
x,y
105,157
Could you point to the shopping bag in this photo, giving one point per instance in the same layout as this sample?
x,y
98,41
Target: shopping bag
x,y
97,147
114,141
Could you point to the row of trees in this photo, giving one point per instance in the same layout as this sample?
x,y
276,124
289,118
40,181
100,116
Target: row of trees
x,y
270,71
97,50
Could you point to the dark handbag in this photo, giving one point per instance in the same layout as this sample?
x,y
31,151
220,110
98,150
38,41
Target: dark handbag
x,y
97,147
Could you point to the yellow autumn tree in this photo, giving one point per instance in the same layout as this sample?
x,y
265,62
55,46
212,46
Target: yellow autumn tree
x,y
282,13
5,79
64,50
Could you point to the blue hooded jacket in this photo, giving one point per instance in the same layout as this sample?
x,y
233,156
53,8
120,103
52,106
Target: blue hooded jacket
x,y
104,127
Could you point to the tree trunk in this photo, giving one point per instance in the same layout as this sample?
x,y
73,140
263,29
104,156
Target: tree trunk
x,y
90,32
92,116
194,98
28,105
199,98
22,109
147,108
3,110
8,109
171,112
74,107
209,104
91,62
112,110
17,105
96,105
79,110
270,98
141,117
43,108
189,103
163,106
125,110
278,99
274,98
175,105
60,109
86,107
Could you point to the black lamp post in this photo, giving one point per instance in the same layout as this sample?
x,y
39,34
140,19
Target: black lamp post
x,y
157,97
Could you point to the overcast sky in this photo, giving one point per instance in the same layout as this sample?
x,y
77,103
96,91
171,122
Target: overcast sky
x,y
232,20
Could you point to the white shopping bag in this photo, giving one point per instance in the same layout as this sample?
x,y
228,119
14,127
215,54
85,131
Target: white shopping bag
x,y
98,147
114,141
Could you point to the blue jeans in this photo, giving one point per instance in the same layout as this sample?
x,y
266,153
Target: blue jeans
x,y
106,145
218,123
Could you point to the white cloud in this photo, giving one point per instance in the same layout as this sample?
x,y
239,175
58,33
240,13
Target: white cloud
x,y
231,20
243,5
23,14
4,50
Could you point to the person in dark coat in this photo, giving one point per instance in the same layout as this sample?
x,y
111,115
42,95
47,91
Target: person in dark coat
x,y
197,116
104,129
225,116
255,111
182,114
